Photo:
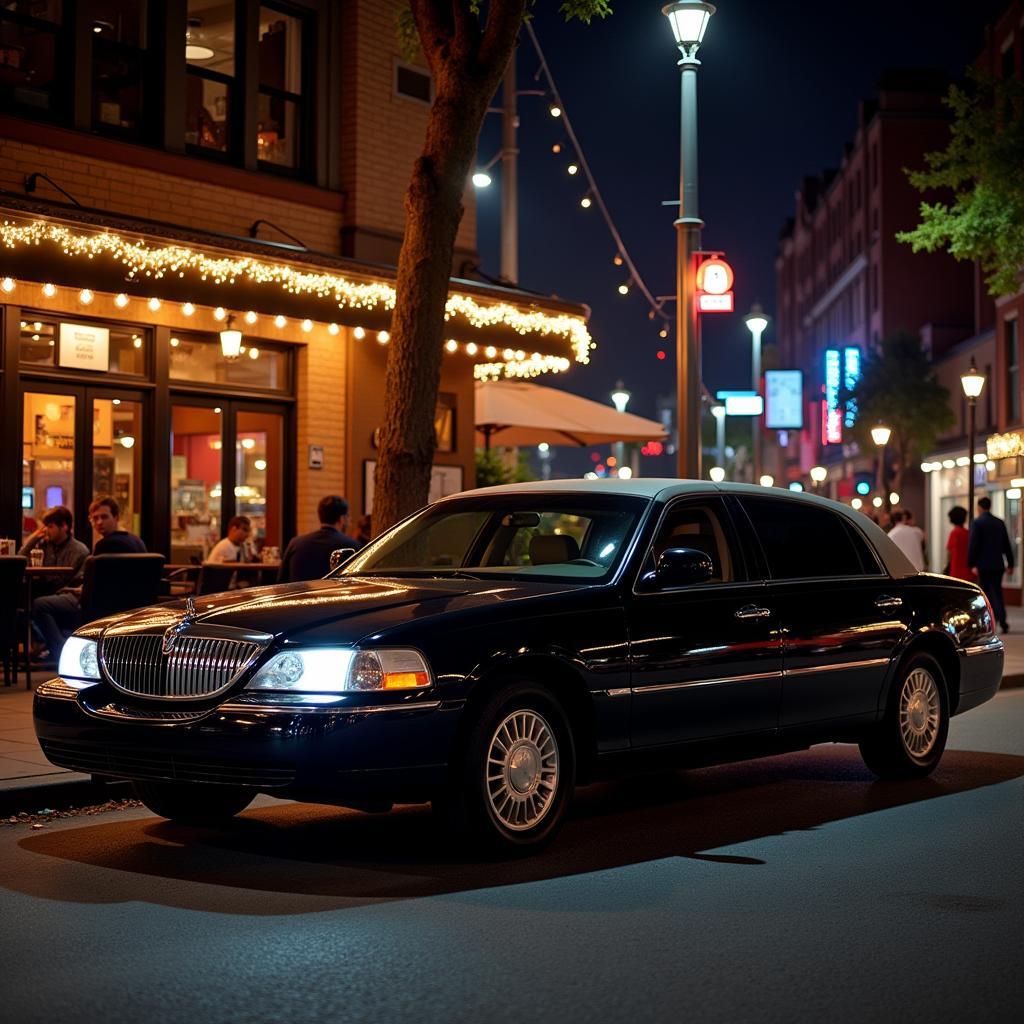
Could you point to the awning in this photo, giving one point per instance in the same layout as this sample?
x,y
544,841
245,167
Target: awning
x,y
515,413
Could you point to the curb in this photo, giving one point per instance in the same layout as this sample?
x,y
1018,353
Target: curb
x,y
59,796
1013,682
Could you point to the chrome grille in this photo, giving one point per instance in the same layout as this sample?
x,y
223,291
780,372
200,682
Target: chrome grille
x,y
197,666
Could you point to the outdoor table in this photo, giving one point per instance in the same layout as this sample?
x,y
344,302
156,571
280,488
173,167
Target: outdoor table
x,y
190,571
32,573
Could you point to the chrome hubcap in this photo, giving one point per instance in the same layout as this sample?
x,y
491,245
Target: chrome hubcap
x,y
919,712
522,770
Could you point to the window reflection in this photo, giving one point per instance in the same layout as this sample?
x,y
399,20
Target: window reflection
x,y
127,345
198,357
48,456
117,451
258,474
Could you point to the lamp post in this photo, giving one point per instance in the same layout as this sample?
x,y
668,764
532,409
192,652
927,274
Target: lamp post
x,y
620,399
973,383
718,411
689,20
756,322
818,475
880,435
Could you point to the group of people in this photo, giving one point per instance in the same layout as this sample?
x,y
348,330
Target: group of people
x,y
57,611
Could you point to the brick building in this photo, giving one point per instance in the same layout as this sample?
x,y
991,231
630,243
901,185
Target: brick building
x,y
171,170
844,282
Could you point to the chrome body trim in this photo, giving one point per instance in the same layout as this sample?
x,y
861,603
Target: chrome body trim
x,y
841,666
988,647
329,709
620,691
749,677
58,689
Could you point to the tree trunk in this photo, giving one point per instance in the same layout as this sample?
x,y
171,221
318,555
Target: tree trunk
x,y
467,68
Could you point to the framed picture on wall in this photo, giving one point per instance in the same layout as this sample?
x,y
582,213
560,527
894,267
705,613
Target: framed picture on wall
x,y
444,480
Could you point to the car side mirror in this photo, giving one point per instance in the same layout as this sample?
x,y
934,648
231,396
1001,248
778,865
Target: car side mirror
x,y
680,567
339,556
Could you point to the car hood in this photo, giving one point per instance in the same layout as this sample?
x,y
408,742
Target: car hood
x,y
355,606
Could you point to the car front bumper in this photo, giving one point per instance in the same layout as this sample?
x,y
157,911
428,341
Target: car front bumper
x,y
353,753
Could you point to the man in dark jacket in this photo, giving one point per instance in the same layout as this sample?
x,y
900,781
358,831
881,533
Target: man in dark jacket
x,y
308,557
990,552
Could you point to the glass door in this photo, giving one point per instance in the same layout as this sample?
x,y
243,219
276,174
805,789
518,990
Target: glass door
x,y
259,474
49,430
197,443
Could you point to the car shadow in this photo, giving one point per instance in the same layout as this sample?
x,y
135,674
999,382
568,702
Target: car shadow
x,y
287,858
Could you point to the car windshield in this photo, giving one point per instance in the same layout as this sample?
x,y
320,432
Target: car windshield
x,y
564,537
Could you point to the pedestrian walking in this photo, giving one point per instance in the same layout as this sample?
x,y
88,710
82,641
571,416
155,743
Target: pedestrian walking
x,y
907,538
990,552
956,545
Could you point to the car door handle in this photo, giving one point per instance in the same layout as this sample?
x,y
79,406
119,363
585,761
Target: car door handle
x,y
751,611
888,602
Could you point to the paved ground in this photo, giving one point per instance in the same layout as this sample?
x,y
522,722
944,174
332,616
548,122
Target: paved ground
x,y
23,766
790,888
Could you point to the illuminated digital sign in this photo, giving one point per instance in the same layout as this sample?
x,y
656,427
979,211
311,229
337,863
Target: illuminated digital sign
x,y
784,399
842,371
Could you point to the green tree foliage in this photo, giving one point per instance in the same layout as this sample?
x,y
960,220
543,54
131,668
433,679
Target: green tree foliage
x,y
983,166
492,469
898,388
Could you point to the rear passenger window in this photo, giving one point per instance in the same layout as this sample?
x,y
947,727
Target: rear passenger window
x,y
801,541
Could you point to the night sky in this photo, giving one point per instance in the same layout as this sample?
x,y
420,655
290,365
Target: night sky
x,y
777,92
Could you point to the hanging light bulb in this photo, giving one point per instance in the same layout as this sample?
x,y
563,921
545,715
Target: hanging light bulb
x,y
121,300
554,109
49,290
663,333
359,333
279,321
231,340
617,259
383,337
573,168
250,318
333,329
556,148
624,288
471,348
586,202
154,304
220,313
187,308
451,345
85,296
307,325
7,284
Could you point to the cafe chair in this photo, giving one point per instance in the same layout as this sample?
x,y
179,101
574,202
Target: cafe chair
x,y
117,583
215,577
12,625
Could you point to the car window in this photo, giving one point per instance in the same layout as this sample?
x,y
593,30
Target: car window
x,y
868,561
802,541
705,526
569,537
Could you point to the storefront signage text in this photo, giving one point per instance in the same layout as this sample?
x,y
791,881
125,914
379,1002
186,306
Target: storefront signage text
x,y
83,347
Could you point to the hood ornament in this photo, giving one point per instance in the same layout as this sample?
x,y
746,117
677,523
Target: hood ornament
x,y
172,633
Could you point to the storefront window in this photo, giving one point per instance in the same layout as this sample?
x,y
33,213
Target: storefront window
x,y
196,446
31,69
48,456
210,58
117,453
104,348
281,102
198,357
259,450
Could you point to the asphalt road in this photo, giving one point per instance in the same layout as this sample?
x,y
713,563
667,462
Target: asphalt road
x,y
790,888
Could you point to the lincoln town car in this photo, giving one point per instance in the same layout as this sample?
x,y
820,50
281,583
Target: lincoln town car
x,y
503,645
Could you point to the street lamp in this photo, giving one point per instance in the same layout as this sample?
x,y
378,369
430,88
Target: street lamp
x,y
756,323
717,474
689,20
620,399
973,383
818,475
880,435
718,411
767,480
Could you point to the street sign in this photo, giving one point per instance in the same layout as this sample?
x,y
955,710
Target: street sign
x,y
714,286
744,405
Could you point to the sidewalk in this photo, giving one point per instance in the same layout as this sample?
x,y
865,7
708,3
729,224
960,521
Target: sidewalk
x,y
29,781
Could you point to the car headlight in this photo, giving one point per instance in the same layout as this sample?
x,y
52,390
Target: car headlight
x,y
78,659
342,670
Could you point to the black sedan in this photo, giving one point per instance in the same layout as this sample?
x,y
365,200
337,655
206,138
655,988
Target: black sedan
x,y
502,645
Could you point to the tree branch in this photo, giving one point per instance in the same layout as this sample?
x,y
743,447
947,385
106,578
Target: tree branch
x,y
433,19
504,19
467,33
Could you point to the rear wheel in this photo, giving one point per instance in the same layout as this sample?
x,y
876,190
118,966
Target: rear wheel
x,y
194,803
910,739
513,787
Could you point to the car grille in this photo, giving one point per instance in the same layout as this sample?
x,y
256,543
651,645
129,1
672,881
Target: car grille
x,y
146,764
197,666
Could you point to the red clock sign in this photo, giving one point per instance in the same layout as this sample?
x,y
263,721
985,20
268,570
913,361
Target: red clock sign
x,y
714,286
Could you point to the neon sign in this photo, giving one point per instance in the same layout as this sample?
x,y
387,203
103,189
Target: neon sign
x,y
842,371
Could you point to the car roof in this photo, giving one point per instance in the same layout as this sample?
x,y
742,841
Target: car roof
x,y
663,488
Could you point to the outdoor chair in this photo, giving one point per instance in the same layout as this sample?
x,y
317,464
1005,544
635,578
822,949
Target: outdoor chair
x,y
215,577
117,583
12,631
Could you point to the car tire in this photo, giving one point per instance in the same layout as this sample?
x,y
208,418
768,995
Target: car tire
x,y
194,803
512,784
909,740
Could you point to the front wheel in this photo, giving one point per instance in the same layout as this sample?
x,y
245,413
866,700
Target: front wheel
x,y
194,803
512,791
910,739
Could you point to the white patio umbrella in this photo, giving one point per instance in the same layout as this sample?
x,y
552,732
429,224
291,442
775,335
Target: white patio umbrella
x,y
518,413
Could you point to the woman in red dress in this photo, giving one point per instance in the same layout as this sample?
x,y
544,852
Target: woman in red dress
x,y
956,546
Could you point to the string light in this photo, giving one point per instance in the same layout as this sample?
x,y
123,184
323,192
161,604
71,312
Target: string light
x,y
219,313
617,259
556,148
624,288
49,290
586,202
451,345
85,296
554,109
141,259
175,342
333,329
7,285
383,337
359,333
573,169
254,353
251,318
663,333
307,325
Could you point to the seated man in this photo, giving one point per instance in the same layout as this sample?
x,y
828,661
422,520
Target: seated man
x,y
233,548
55,539
58,615
308,557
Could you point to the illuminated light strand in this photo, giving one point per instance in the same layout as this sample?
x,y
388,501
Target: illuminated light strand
x,y
155,262
518,368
